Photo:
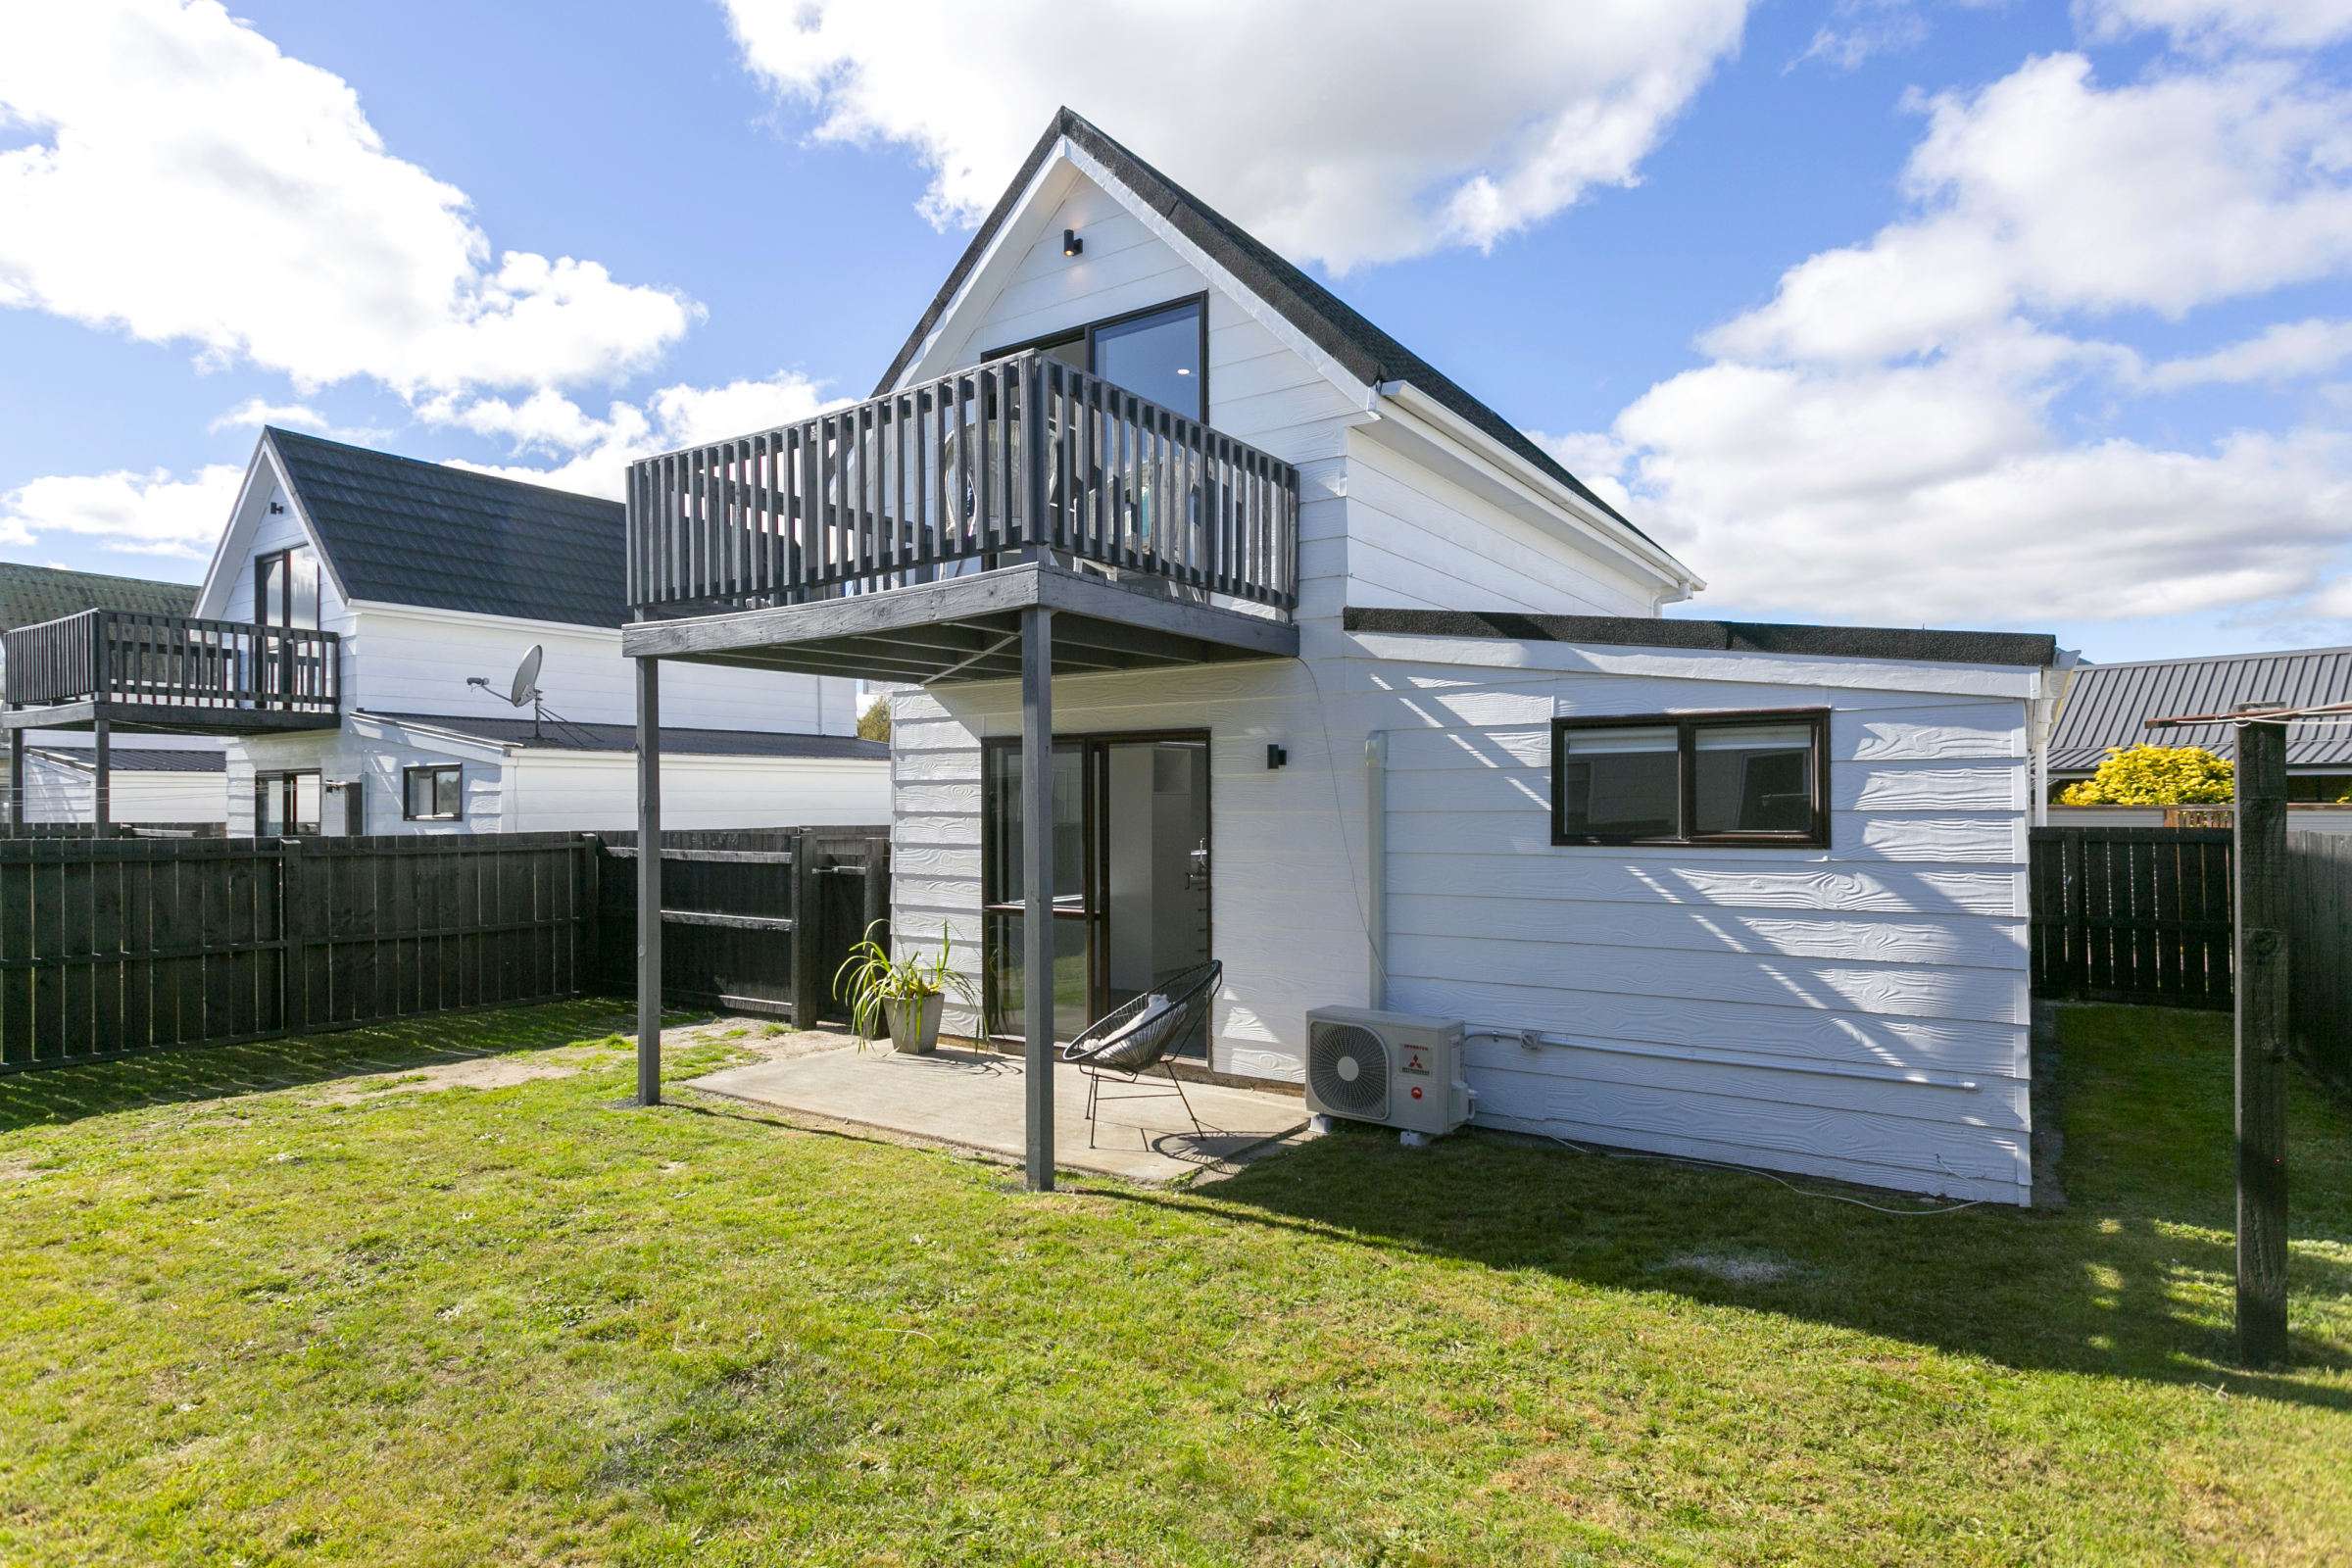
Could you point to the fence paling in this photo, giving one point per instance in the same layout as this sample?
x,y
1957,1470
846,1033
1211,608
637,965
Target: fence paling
x,y
2132,914
2319,952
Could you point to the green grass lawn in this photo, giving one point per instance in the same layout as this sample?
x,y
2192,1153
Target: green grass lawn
x,y
256,1309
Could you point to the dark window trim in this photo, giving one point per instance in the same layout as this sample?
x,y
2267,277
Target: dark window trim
x,y
281,778
1090,328
1687,727
408,774
282,612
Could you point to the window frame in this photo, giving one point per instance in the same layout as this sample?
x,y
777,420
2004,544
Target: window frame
x,y
281,613
407,779
288,781
1685,728
1088,330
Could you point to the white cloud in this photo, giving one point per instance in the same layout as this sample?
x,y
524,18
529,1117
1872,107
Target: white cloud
x,y
2286,352
1403,129
2047,193
2206,23
254,413
186,182
1906,434
141,513
1858,29
594,452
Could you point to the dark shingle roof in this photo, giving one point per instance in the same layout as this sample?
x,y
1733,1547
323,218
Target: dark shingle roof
x,y
2106,703
30,595
561,735
144,758
2031,649
1331,324
410,532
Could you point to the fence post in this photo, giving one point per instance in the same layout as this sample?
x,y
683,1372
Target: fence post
x,y
2262,960
808,961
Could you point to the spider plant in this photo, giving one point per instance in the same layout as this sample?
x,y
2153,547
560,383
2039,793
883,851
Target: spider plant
x,y
881,989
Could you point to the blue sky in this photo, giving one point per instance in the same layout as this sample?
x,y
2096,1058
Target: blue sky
x,y
1710,261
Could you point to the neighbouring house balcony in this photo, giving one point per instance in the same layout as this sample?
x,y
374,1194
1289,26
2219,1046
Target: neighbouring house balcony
x,y
903,538
173,674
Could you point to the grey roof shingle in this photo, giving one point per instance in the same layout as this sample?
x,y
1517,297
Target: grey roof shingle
x,y
2107,702
562,735
406,531
30,595
1330,322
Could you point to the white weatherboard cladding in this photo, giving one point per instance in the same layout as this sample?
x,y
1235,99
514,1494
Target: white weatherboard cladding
x,y
588,791
1859,1011
57,791
407,660
375,754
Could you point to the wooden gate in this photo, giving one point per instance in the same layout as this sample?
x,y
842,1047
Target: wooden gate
x,y
2132,914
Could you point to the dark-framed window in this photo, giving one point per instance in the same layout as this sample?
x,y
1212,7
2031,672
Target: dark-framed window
x,y
1756,779
285,588
433,793
1159,351
286,804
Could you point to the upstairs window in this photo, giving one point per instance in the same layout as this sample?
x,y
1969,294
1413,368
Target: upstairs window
x,y
1160,353
1715,779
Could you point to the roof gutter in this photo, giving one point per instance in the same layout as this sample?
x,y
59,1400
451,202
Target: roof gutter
x,y
1550,491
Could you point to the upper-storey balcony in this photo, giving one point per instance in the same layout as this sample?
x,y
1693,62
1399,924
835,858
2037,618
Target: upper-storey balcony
x,y
901,538
170,673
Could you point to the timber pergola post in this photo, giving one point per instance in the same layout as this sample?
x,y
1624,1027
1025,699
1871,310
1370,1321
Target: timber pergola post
x,y
2259,865
649,881
101,808
1037,886
16,783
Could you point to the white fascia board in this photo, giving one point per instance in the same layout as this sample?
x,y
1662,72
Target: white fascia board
x,y
477,617
376,726
1527,490
1014,240
235,539
537,756
1705,663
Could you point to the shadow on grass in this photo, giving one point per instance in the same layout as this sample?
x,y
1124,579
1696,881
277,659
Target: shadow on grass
x,y
180,1074
2133,1280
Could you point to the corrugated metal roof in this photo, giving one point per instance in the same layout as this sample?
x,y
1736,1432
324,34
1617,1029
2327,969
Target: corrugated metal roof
x,y
410,532
2107,703
562,735
30,595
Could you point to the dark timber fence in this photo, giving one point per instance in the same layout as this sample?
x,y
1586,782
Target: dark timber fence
x,y
2319,951
753,920
113,947
2132,914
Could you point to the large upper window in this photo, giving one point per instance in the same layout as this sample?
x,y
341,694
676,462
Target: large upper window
x,y
285,588
1160,353
1713,779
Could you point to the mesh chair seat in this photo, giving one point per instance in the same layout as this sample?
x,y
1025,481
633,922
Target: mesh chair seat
x,y
1136,1034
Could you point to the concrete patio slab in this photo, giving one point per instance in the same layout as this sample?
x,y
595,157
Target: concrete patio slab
x,y
974,1101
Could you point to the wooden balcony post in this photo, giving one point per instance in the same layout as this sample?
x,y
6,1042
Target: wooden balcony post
x,y
16,783
649,882
102,813
1037,886
2259,861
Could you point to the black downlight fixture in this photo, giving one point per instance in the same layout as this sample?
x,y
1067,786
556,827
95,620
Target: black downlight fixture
x,y
1071,244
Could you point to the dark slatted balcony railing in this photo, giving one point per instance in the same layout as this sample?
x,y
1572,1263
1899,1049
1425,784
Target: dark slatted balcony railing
x,y
120,658
1017,460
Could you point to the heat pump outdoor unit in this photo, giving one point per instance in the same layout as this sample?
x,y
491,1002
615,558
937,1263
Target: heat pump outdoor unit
x,y
1386,1067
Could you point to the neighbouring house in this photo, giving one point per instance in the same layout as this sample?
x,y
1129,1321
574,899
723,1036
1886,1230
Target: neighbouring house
x,y
358,636
160,778
1341,679
2107,705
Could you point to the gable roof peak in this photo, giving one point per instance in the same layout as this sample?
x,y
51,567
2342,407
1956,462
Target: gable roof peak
x,y
1332,326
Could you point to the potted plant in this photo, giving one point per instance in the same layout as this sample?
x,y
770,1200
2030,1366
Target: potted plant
x,y
906,994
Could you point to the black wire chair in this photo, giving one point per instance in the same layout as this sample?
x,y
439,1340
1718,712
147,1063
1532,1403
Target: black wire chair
x,y
1135,1037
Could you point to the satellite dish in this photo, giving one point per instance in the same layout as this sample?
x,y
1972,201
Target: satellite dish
x,y
527,677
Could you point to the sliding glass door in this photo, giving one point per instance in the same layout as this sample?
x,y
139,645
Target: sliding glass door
x,y
1131,859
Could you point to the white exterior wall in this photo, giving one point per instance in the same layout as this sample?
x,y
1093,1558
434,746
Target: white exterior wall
x,y
61,792
405,659
1858,1011
373,753
584,791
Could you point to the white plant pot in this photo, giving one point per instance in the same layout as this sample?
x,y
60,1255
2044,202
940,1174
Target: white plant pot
x,y
914,1024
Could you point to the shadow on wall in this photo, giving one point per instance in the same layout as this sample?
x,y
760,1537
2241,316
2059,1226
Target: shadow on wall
x,y
2134,1279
